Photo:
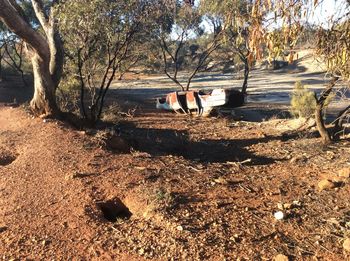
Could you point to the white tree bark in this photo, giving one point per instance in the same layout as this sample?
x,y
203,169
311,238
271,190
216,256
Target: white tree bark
x,y
45,51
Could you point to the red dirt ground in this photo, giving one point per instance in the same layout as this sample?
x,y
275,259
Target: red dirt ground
x,y
197,189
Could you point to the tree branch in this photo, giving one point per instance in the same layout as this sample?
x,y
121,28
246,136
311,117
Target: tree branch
x,y
166,70
39,10
53,37
10,15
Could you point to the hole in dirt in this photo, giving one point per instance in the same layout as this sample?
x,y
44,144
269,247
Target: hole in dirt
x,y
114,209
6,158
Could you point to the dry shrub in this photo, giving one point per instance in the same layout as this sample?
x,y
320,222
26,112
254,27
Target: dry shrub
x,y
303,102
112,113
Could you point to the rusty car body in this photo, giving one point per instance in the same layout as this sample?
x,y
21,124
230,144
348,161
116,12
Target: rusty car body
x,y
198,102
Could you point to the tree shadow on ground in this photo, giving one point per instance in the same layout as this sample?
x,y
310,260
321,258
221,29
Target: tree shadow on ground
x,y
254,112
11,91
162,142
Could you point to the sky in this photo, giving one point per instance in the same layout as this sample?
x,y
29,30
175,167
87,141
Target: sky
x,y
320,16
326,10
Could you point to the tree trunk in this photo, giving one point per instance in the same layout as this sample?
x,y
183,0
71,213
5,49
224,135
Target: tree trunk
x,y
325,135
320,103
0,66
45,52
44,99
339,122
246,75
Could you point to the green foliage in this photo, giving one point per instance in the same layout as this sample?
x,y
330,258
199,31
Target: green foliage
x,y
333,46
99,39
163,197
67,93
303,102
181,40
276,41
69,83
68,101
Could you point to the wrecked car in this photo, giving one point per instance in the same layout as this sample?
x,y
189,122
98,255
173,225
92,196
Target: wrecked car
x,y
199,102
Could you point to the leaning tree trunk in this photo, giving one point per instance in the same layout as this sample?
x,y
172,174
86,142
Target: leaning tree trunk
x,y
325,135
320,103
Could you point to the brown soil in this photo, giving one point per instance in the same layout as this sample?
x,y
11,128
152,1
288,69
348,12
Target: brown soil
x,y
190,189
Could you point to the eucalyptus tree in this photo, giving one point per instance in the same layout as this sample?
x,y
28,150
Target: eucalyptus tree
x,y
333,48
12,52
247,28
43,46
2,46
254,24
180,36
99,36
13,55
235,20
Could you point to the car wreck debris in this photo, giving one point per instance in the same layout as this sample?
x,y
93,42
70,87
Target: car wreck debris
x,y
193,102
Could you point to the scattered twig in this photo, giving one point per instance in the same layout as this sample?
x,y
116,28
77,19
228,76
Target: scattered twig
x,y
245,188
193,168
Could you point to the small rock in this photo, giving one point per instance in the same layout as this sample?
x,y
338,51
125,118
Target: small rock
x,y
180,228
298,159
117,143
287,205
141,251
2,229
221,180
326,184
295,159
279,215
45,242
296,204
68,177
280,206
339,180
333,221
345,173
72,175
235,238
281,257
346,244
283,206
